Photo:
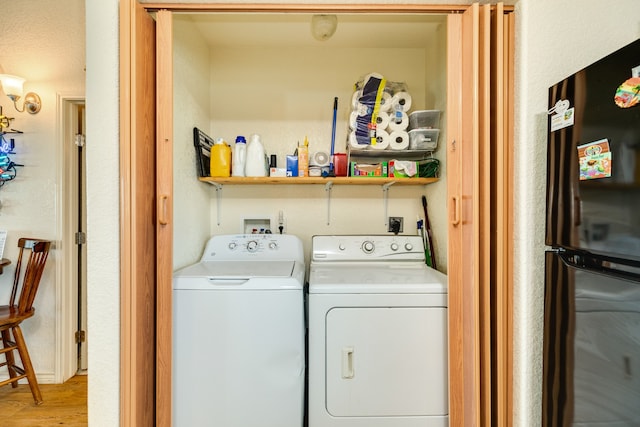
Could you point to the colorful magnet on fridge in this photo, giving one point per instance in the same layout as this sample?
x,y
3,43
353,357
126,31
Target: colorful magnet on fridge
x,y
628,93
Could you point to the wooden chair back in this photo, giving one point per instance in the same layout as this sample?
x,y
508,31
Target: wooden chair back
x,y
25,290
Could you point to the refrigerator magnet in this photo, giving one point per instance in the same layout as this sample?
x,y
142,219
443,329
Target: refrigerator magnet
x,y
561,115
595,160
628,93
562,120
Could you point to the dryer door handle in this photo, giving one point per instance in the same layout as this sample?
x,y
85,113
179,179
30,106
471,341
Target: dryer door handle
x,y
347,363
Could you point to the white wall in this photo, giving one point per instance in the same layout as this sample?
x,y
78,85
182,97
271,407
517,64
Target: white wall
x,y
192,102
285,95
554,39
103,203
52,61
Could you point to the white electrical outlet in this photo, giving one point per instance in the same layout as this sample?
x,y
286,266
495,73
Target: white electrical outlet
x,y
281,224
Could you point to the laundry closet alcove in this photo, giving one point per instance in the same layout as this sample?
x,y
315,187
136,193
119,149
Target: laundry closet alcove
x,y
473,197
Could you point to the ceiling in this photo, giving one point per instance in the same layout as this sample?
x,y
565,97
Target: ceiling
x,y
283,30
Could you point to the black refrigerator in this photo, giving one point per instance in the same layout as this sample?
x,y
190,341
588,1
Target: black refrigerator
x,y
591,354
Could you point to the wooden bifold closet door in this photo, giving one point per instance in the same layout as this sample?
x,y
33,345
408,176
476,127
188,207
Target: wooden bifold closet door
x,y
479,170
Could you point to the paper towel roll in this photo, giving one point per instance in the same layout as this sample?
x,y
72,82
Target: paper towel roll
x,y
363,110
394,124
353,120
386,104
399,140
382,121
386,101
401,101
359,121
353,142
382,140
355,99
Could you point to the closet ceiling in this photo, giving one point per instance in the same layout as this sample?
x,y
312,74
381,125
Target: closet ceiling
x,y
283,30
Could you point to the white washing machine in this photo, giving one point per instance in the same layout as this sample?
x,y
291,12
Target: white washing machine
x,y
377,334
239,334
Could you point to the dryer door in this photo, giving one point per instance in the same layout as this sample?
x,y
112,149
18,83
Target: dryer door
x,y
386,361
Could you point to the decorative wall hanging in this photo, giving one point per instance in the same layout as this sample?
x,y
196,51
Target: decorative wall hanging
x,y
7,166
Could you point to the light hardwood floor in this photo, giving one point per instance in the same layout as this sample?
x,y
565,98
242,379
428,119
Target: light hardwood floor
x,y
64,405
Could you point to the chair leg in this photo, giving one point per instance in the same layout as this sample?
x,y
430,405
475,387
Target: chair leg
x,y
11,361
26,363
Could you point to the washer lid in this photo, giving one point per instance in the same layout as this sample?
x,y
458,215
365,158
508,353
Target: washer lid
x,y
238,275
378,278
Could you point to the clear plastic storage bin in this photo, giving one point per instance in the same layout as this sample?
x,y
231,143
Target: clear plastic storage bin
x,y
424,119
423,139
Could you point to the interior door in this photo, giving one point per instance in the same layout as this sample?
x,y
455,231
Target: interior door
x,y
83,364
479,127
164,220
138,216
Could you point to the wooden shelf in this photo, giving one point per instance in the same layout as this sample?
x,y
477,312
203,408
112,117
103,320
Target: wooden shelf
x,y
317,180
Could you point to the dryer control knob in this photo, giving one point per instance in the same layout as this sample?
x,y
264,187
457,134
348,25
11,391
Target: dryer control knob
x,y
273,245
233,245
342,247
252,246
368,247
394,247
408,246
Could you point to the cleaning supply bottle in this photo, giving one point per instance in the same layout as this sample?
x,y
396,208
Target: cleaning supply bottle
x,y
239,156
220,159
256,164
303,158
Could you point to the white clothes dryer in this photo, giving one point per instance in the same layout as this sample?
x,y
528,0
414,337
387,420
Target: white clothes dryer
x,y
377,334
239,334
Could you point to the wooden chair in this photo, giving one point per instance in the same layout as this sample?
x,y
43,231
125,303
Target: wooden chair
x,y
12,315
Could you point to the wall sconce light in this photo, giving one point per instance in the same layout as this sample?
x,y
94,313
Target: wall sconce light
x,y
323,26
12,87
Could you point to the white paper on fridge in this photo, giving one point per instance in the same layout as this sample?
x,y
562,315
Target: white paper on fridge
x,y
562,120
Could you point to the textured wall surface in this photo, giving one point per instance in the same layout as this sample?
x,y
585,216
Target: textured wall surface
x,y
52,62
103,212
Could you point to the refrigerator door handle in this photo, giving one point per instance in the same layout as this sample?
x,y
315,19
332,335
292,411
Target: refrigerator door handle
x,y
578,211
616,267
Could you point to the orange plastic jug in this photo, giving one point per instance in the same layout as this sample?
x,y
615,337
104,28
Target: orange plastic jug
x,y
221,159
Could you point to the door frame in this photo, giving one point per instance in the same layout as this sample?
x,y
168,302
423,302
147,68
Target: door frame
x,y
66,352
463,335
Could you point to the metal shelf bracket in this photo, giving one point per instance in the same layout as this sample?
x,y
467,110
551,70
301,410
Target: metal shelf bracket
x,y
327,188
385,198
218,200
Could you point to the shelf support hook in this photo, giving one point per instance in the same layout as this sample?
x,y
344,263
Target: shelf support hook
x,y
327,188
385,198
218,199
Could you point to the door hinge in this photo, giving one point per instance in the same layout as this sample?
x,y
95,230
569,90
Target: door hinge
x,y
81,238
80,336
79,140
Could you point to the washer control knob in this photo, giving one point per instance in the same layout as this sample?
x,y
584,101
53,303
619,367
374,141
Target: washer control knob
x,y
273,245
394,247
233,245
252,246
368,247
408,246
342,247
